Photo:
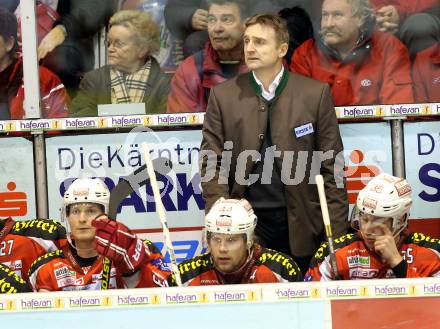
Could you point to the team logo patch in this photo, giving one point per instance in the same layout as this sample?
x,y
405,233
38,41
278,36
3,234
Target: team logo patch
x,y
224,221
366,83
402,187
369,203
81,192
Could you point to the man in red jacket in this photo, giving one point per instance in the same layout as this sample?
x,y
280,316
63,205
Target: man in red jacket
x,y
54,97
221,59
361,65
233,255
416,22
426,75
383,247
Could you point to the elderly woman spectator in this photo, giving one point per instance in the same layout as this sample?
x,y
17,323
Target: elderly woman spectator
x,y
133,75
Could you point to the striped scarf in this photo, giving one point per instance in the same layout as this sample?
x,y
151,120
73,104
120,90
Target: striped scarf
x,y
129,88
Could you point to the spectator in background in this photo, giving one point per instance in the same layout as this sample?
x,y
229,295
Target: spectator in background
x,y
361,65
188,19
382,248
415,22
54,97
133,75
426,75
300,28
221,59
68,48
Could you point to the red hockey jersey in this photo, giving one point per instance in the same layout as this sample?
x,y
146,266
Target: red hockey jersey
x,y
355,261
264,266
21,242
59,271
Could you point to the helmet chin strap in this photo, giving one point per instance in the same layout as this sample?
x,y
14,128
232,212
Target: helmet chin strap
x,y
79,249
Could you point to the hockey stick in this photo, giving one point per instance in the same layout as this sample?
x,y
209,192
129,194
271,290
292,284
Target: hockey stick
x,y
326,219
133,182
124,188
161,212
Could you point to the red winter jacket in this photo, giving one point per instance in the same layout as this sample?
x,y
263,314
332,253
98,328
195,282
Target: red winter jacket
x,y
405,7
188,92
376,72
426,75
54,98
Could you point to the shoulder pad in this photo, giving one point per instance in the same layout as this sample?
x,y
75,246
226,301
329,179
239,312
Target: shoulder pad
x,y
280,264
40,261
151,246
46,229
10,282
340,242
423,240
193,267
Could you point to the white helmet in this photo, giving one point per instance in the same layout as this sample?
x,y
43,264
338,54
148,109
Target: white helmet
x,y
385,196
231,216
91,190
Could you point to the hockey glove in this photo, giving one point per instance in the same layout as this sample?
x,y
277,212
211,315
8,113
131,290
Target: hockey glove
x,y
116,241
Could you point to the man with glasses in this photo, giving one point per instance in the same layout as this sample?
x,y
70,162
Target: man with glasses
x,y
221,59
383,247
132,75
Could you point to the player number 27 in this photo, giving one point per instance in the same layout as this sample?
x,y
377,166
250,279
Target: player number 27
x,y
6,247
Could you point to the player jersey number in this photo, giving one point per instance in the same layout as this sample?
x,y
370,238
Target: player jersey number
x,y
407,255
6,247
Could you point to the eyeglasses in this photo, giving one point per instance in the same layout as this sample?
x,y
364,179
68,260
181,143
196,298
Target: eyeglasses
x,y
118,44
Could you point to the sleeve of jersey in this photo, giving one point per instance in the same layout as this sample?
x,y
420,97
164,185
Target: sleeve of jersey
x,y
320,268
47,233
10,282
428,261
41,274
277,267
152,273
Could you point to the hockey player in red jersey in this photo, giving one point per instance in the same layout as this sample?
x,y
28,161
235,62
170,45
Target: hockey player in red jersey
x,y
21,242
383,247
233,255
10,282
95,242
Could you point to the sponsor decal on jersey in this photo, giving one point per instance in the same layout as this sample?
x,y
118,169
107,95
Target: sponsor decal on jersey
x,y
362,273
67,281
63,272
358,261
